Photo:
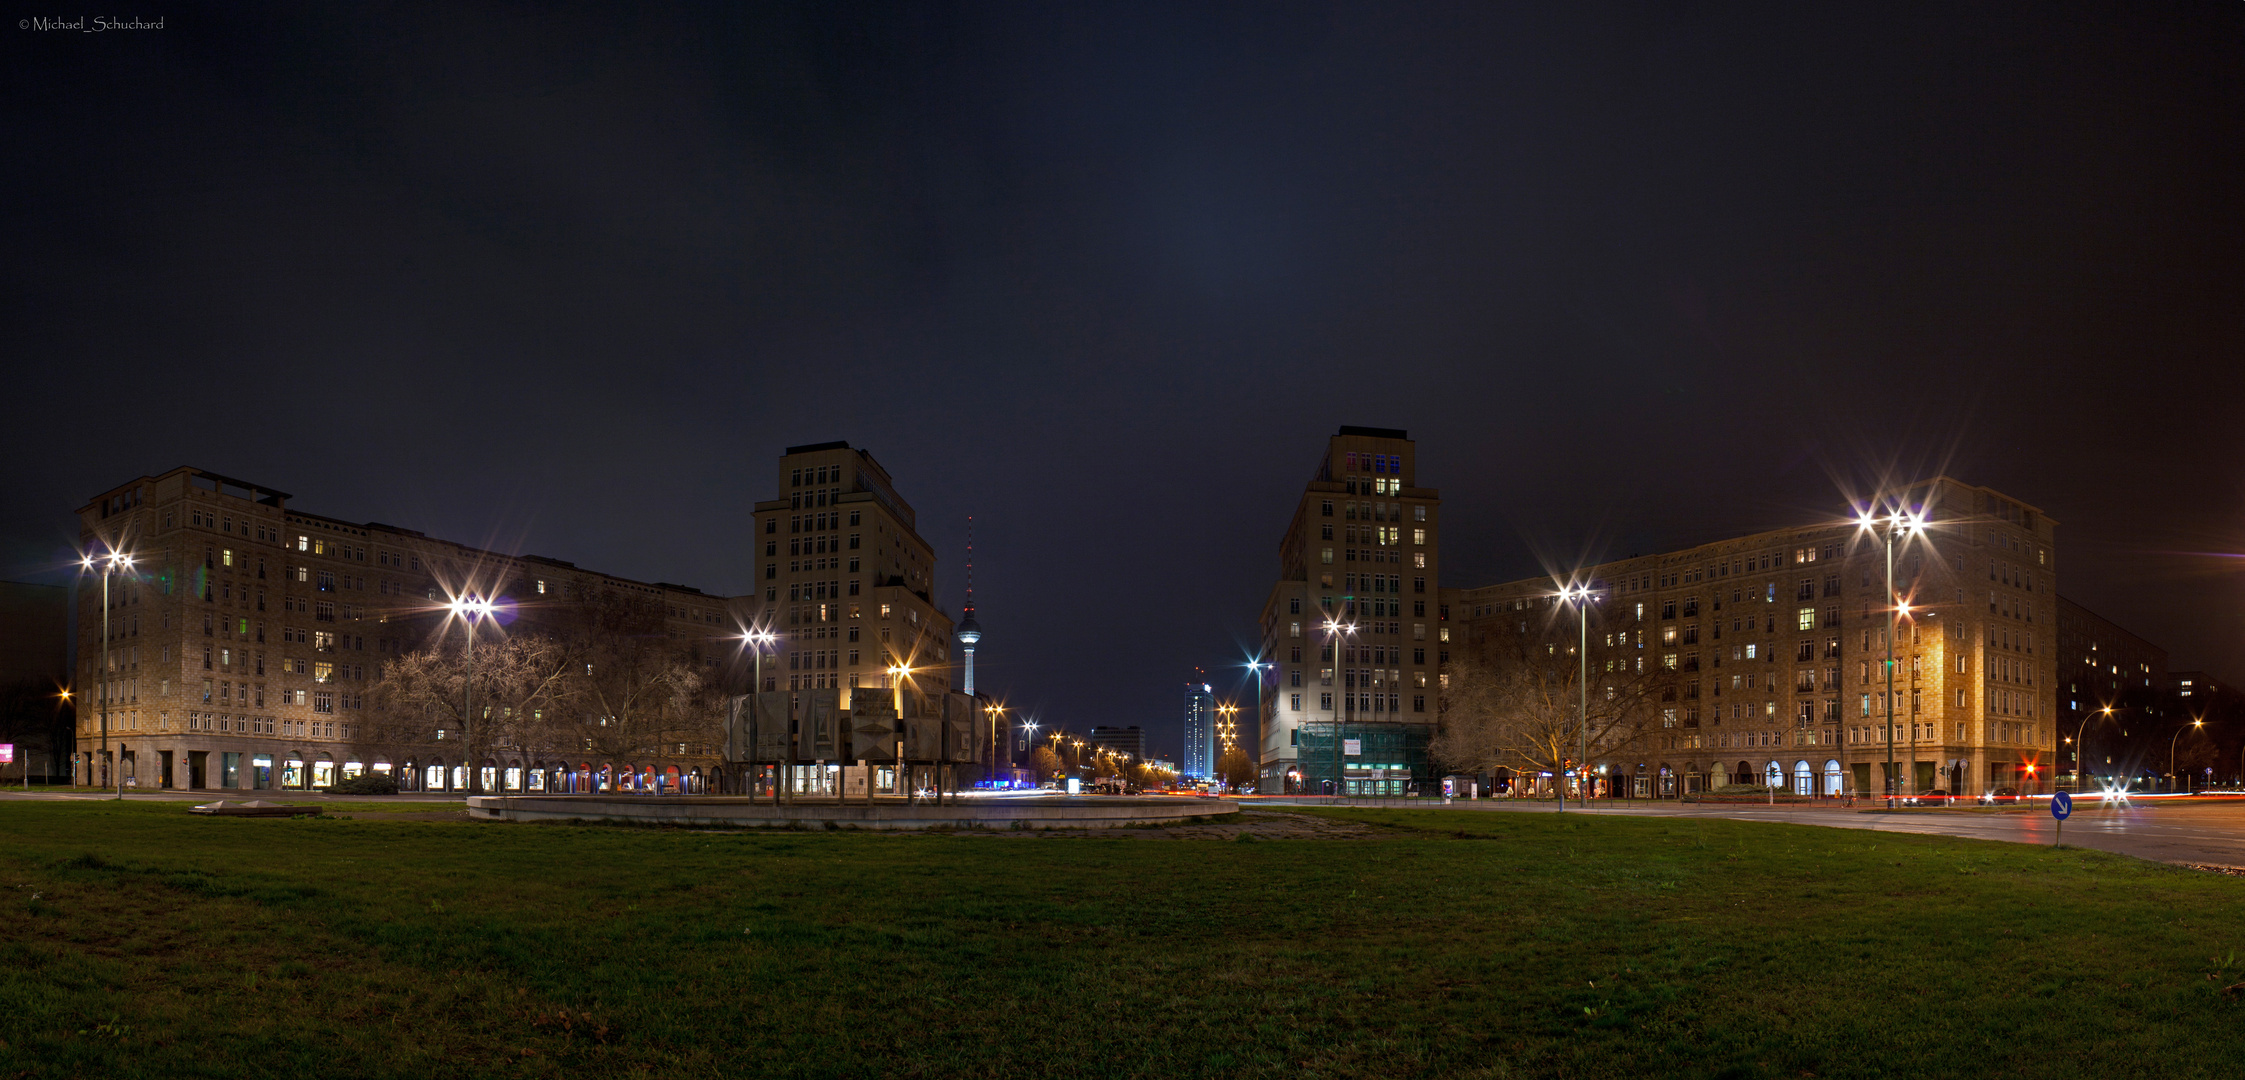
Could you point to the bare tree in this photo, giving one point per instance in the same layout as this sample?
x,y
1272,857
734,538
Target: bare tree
x,y
419,701
632,690
1513,702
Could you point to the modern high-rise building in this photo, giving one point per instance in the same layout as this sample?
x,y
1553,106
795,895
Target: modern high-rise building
x,y
1351,622
1779,641
1200,732
847,581
245,636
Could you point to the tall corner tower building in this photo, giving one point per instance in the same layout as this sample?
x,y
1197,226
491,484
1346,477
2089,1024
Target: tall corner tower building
x,y
1350,623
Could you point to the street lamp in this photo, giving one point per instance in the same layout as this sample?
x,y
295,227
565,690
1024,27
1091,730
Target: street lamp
x,y
756,639
993,720
468,609
1581,597
2194,725
2080,733
112,563
1029,740
1256,667
1905,525
897,674
1334,630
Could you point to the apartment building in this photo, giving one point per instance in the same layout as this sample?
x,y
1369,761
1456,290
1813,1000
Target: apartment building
x,y
847,582
1353,625
246,634
2113,684
1779,643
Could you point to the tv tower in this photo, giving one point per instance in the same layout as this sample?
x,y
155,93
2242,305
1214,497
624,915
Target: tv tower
x,y
969,631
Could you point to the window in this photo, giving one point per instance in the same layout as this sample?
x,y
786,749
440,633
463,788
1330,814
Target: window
x,y
1419,537
1294,701
1327,557
1326,508
1807,618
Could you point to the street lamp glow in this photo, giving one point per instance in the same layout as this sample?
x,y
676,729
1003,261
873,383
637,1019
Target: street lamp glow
x,y
115,562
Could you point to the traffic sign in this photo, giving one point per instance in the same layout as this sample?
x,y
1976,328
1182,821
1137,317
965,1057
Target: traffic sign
x,y
2061,806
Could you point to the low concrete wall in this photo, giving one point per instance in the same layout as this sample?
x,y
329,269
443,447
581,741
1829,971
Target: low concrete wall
x,y
1080,812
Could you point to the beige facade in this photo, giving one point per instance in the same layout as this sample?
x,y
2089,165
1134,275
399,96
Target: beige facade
x,y
247,634
847,582
1363,551
1780,640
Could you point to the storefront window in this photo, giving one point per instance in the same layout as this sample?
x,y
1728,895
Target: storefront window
x,y
261,771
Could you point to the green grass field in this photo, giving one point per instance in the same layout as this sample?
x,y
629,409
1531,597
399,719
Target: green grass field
x,y
140,941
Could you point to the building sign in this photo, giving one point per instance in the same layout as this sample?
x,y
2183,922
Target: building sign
x,y
1352,747
7,753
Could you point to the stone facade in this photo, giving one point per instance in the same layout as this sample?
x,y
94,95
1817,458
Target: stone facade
x,y
1780,641
246,636
1364,551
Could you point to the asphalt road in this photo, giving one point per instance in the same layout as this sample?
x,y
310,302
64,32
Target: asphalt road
x,y
2203,833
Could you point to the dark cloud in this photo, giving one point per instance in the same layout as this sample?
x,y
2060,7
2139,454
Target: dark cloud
x,y
1105,277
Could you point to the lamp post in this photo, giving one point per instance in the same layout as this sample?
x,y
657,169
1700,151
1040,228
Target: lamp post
x,y
897,674
2081,733
1255,668
756,639
1894,523
468,608
1029,741
112,563
1580,596
1334,630
2194,725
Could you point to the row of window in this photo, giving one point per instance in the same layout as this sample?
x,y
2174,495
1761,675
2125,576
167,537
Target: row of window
x,y
1364,703
1371,511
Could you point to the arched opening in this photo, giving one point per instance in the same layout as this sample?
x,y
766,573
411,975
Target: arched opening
x,y
1667,781
1804,781
1834,781
1744,773
1773,775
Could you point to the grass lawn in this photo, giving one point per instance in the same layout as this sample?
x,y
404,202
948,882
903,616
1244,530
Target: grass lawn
x,y
141,941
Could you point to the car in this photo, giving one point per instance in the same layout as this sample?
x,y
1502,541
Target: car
x,y
2002,796
1930,797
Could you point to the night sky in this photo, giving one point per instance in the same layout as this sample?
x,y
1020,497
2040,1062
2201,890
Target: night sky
x,y
566,282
